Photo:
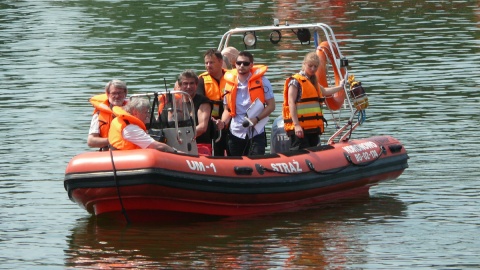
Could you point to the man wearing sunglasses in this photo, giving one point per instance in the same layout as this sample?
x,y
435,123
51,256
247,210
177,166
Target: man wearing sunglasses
x,y
243,86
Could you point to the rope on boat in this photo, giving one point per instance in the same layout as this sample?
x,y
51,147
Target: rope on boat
x,y
349,159
312,168
350,131
265,169
362,116
124,212
310,165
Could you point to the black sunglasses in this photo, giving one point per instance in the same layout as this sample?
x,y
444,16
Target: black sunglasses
x,y
245,63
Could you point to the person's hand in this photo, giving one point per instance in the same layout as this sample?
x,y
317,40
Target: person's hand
x,y
174,150
220,124
299,131
257,119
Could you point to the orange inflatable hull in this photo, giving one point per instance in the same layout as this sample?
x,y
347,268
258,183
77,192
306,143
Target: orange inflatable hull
x,y
149,183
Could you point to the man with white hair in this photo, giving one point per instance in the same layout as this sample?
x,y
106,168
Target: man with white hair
x,y
128,130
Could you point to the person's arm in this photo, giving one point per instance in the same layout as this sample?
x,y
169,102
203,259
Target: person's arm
x,y
222,122
161,147
203,115
292,106
269,100
266,111
94,140
139,137
332,90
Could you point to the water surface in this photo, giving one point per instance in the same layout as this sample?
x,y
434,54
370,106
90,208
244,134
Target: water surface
x,y
417,60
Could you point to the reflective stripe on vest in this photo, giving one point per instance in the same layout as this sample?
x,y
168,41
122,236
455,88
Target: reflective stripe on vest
x,y
309,111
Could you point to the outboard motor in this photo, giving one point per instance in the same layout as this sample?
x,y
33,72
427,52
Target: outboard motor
x,y
279,140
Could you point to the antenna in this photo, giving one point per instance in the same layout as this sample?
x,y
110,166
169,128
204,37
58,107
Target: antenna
x,y
165,82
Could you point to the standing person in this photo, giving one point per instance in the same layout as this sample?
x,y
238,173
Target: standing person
x,y
115,94
302,98
187,82
243,86
128,131
211,85
229,57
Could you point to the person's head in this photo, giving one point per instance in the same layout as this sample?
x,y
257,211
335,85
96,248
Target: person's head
x,y
310,63
116,91
140,108
310,67
188,80
213,63
229,57
244,62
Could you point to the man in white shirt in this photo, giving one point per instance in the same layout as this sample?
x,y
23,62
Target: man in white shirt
x,y
243,86
128,131
115,94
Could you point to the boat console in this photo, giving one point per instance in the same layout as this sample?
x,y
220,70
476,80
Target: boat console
x,y
172,120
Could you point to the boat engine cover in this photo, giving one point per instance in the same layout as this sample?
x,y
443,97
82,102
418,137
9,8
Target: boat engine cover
x,y
279,140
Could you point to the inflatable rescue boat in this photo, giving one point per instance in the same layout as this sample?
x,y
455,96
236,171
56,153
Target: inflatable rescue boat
x,y
146,183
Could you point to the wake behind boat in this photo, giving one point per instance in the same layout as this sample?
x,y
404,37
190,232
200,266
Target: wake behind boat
x,y
145,184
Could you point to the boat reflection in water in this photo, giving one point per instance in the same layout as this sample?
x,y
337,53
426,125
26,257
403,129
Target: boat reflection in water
x,y
314,237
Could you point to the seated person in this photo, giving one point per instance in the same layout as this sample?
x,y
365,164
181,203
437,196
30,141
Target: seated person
x,y
128,131
115,94
188,81
173,107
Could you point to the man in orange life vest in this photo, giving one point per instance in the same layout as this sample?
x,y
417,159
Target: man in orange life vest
x,y
243,86
128,130
302,98
211,85
115,94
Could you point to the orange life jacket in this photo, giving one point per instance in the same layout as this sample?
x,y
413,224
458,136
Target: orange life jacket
x,y
115,135
105,113
162,101
255,86
213,91
309,110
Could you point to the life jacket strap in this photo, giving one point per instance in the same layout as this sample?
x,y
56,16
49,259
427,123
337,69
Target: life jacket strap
x,y
303,118
319,99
